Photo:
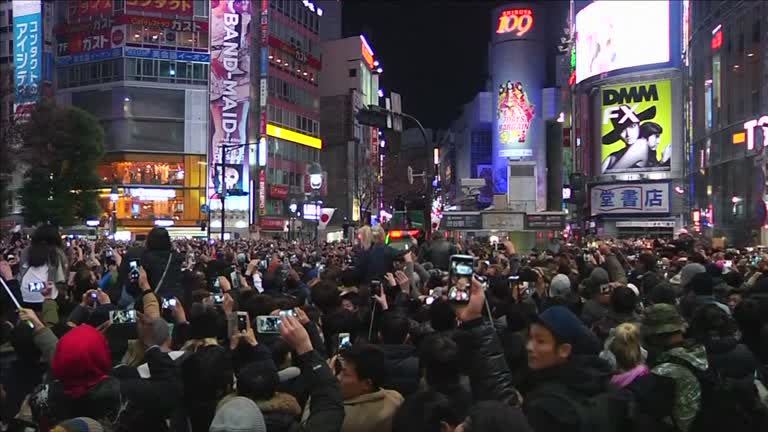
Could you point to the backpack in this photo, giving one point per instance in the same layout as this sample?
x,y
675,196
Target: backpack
x,y
727,403
610,411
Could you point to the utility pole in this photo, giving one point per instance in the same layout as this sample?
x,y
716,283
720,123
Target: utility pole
x,y
381,118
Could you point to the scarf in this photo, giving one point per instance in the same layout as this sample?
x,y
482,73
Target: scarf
x,y
626,378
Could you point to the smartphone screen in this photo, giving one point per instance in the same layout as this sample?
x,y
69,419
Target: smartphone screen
x,y
288,312
375,288
242,321
268,324
345,341
36,286
122,316
218,299
461,268
169,303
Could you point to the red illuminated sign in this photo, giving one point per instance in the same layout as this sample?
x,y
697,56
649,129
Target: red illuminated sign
x,y
278,191
717,40
515,20
272,224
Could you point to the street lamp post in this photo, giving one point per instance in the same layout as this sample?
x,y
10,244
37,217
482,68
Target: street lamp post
x,y
316,183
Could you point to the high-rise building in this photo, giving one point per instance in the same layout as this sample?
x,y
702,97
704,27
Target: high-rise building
x,y
350,81
264,108
8,202
726,120
142,69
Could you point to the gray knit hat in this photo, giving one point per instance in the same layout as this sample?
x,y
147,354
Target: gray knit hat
x,y
689,271
560,286
238,414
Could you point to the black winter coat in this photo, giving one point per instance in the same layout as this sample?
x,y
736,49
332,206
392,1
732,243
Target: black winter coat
x,y
403,367
489,375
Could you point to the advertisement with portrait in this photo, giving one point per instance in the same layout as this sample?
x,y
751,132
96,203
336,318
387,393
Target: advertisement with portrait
x,y
230,98
613,35
170,7
518,70
636,127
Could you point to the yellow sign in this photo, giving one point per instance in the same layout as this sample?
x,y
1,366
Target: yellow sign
x,y
298,138
355,209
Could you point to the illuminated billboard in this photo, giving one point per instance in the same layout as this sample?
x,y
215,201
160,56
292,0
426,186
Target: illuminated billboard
x,y
230,99
514,113
28,52
636,127
613,35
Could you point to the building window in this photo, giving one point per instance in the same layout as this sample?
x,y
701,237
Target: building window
x,y
353,72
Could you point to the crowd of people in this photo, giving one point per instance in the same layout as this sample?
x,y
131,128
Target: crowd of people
x,y
270,335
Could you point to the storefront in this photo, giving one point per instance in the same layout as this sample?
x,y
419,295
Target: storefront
x,y
152,190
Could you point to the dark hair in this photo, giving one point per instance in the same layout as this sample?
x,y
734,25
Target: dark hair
x,y
648,261
650,128
349,278
394,328
439,355
442,317
424,412
495,416
158,239
623,300
43,246
710,322
663,293
325,295
369,362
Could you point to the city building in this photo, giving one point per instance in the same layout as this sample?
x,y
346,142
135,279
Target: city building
x,y
352,154
629,132
142,69
726,118
9,205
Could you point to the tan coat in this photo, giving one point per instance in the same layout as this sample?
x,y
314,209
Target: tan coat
x,y
372,412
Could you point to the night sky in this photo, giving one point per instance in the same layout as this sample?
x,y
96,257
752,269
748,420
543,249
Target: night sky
x,y
434,53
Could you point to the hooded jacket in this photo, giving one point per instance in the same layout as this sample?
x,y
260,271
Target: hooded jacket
x,y
687,389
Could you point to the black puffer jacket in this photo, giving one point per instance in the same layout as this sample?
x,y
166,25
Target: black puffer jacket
x,y
403,367
439,253
488,371
731,359
544,392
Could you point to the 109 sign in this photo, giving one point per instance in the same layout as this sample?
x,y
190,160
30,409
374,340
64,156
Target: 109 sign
x,y
515,20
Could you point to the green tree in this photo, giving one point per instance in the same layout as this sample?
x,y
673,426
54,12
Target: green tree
x,y
62,147
9,141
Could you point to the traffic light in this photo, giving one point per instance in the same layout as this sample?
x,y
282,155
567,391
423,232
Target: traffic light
x,y
375,117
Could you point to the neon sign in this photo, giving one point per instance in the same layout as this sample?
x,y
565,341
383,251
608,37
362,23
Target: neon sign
x,y
717,38
750,128
519,20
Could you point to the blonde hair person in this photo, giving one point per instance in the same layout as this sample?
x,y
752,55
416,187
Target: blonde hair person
x,y
365,236
624,344
378,234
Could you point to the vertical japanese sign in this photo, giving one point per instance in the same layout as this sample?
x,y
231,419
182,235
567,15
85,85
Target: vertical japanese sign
x,y
263,90
230,98
630,198
28,52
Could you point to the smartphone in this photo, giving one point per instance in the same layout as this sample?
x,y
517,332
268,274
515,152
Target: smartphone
x,y
218,299
500,247
345,341
242,321
375,287
133,272
217,284
461,265
513,280
288,312
109,253
728,264
169,303
36,286
268,324
122,316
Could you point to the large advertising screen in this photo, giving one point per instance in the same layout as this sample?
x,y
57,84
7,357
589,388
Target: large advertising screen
x,y
28,59
230,99
514,113
636,127
613,35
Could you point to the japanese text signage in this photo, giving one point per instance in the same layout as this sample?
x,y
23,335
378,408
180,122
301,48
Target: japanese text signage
x,y
542,221
636,127
624,198
462,221
84,42
175,7
78,10
515,21
28,51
